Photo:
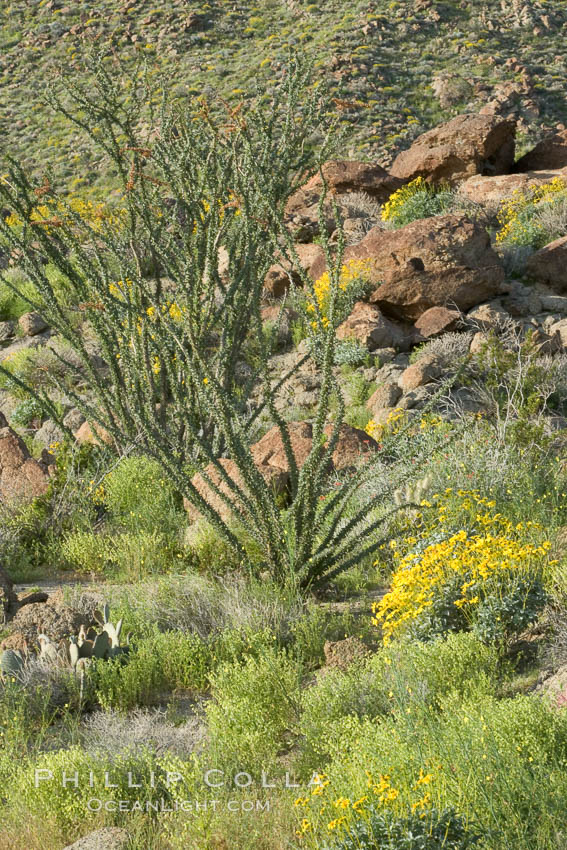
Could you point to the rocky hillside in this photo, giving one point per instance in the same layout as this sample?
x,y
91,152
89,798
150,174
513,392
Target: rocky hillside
x,y
395,68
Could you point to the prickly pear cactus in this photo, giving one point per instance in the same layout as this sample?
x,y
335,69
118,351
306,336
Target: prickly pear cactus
x,y
11,664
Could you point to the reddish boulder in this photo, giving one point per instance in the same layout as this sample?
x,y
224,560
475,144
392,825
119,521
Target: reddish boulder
x,y
371,328
550,153
549,265
270,459
469,144
493,190
85,434
385,396
342,177
277,280
436,321
434,262
424,370
21,477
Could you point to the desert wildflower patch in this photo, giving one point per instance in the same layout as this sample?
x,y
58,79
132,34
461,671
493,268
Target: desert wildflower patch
x,y
416,200
487,578
534,217
351,286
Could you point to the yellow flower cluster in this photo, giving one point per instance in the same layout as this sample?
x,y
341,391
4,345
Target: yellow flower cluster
x,y
97,216
381,792
472,560
393,206
396,420
516,214
351,272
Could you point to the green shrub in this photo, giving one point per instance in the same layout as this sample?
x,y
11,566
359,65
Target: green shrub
x,y
69,805
501,764
401,676
253,706
535,217
420,830
139,497
417,200
129,555
25,412
162,662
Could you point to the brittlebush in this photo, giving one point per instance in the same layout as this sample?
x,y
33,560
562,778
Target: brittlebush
x,y
488,578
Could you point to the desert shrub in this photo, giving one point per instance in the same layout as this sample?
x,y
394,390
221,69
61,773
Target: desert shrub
x,y
14,304
418,830
534,217
416,200
349,352
25,412
396,678
139,497
69,805
161,662
487,577
329,305
157,728
252,708
501,764
129,555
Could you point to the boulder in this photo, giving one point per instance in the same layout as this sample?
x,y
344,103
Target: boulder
x,y
554,303
385,396
32,323
488,317
48,435
493,190
434,262
423,371
108,838
468,144
270,459
371,328
7,331
550,153
344,177
436,321
559,329
549,265
85,434
277,280
21,476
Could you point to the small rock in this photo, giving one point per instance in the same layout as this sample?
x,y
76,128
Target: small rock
x,y
108,838
73,419
7,331
371,328
426,369
553,303
386,395
48,435
417,398
560,329
488,317
436,321
32,323
479,342
549,265
85,434
277,280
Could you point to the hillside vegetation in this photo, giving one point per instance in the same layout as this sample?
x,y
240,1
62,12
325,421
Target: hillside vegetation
x,y
394,67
